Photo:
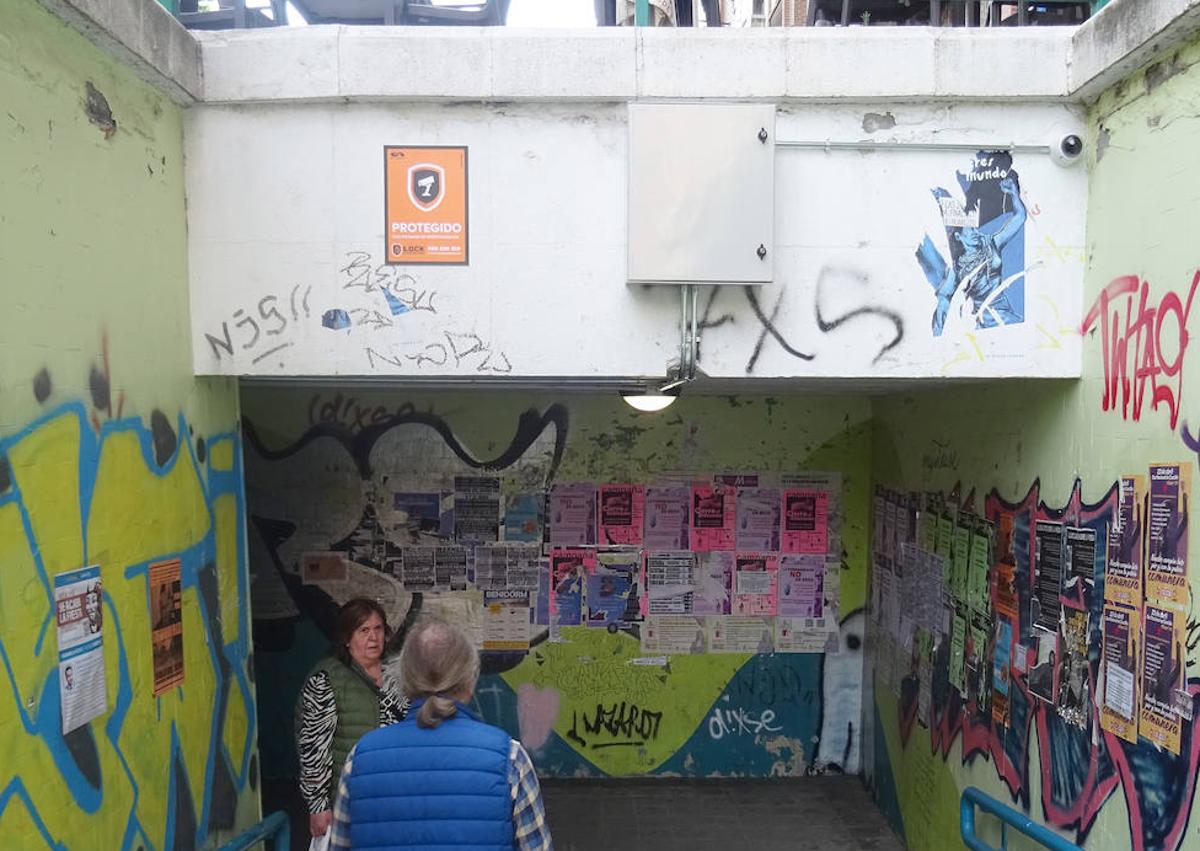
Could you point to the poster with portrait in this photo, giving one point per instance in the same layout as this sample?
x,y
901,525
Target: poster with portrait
x,y
79,620
166,624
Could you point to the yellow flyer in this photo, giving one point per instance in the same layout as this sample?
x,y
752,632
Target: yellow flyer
x,y
1123,568
1118,705
1167,534
1162,673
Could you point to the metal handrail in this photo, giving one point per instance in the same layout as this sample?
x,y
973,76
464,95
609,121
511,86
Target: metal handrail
x,y
972,798
274,827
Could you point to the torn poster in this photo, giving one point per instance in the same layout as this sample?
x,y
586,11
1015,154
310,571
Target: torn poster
x,y
755,584
166,624
714,518
673,634
670,583
417,568
505,620
568,572
621,514
958,645
612,588
1001,671
1046,602
960,556
667,518
1074,682
1041,674
79,620
1162,673
1167,538
978,563
740,635
1081,557
417,517
524,565
758,519
321,568
476,509
523,517
979,665
714,583
1123,567
1118,709
805,521
450,568
573,514
491,567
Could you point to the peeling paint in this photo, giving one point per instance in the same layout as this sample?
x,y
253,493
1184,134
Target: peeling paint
x,y
875,121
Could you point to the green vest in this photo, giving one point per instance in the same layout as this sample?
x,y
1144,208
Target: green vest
x,y
357,700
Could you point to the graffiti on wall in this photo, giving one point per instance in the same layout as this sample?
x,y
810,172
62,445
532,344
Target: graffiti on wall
x,y
589,704
80,485
1143,343
1079,768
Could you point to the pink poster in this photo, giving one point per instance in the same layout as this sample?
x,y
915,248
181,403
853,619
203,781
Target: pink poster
x,y
713,518
621,508
756,584
805,521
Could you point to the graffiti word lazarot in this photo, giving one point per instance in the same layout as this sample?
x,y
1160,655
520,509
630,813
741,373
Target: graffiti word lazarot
x,y
1141,343
623,723
739,722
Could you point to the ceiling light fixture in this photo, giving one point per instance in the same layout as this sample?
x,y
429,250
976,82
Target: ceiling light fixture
x,y
649,402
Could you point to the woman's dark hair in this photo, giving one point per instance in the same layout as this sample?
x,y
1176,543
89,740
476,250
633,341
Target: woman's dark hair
x,y
350,617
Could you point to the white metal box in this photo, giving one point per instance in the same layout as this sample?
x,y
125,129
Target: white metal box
x,y
701,193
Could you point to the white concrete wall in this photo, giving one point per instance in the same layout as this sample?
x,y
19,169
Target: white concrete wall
x,y
285,205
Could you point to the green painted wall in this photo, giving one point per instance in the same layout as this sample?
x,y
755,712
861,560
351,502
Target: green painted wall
x,y
1144,193
111,453
315,457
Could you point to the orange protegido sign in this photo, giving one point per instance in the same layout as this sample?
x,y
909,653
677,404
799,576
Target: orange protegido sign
x,y
425,205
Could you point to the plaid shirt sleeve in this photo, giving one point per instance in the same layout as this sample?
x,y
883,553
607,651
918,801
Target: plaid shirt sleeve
x,y
529,815
339,829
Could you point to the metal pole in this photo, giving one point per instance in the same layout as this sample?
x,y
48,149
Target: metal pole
x,y
813,145
641,15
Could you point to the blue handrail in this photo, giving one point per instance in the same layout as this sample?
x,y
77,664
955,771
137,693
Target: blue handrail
x,y
972,798
274,827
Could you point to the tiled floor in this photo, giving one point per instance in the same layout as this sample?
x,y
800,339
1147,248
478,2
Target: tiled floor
x,y
716,815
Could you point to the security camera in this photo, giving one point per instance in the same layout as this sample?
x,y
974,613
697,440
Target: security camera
x,y
1067,149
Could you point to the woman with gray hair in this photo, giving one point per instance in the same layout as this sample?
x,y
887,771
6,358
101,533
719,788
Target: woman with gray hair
x,y
441,776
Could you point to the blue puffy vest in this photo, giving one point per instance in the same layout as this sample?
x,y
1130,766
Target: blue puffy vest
x,y
440,788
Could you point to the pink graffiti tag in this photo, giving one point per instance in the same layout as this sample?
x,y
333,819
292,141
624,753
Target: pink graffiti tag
x,y
1136,345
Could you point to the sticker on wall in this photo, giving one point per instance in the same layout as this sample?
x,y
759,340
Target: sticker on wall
x,y
323,568
1123,566
1118,708
166,625
79,619
1162,673
425,204
1166,544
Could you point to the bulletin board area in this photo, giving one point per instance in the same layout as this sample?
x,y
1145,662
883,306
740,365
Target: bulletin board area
x,y
675,594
